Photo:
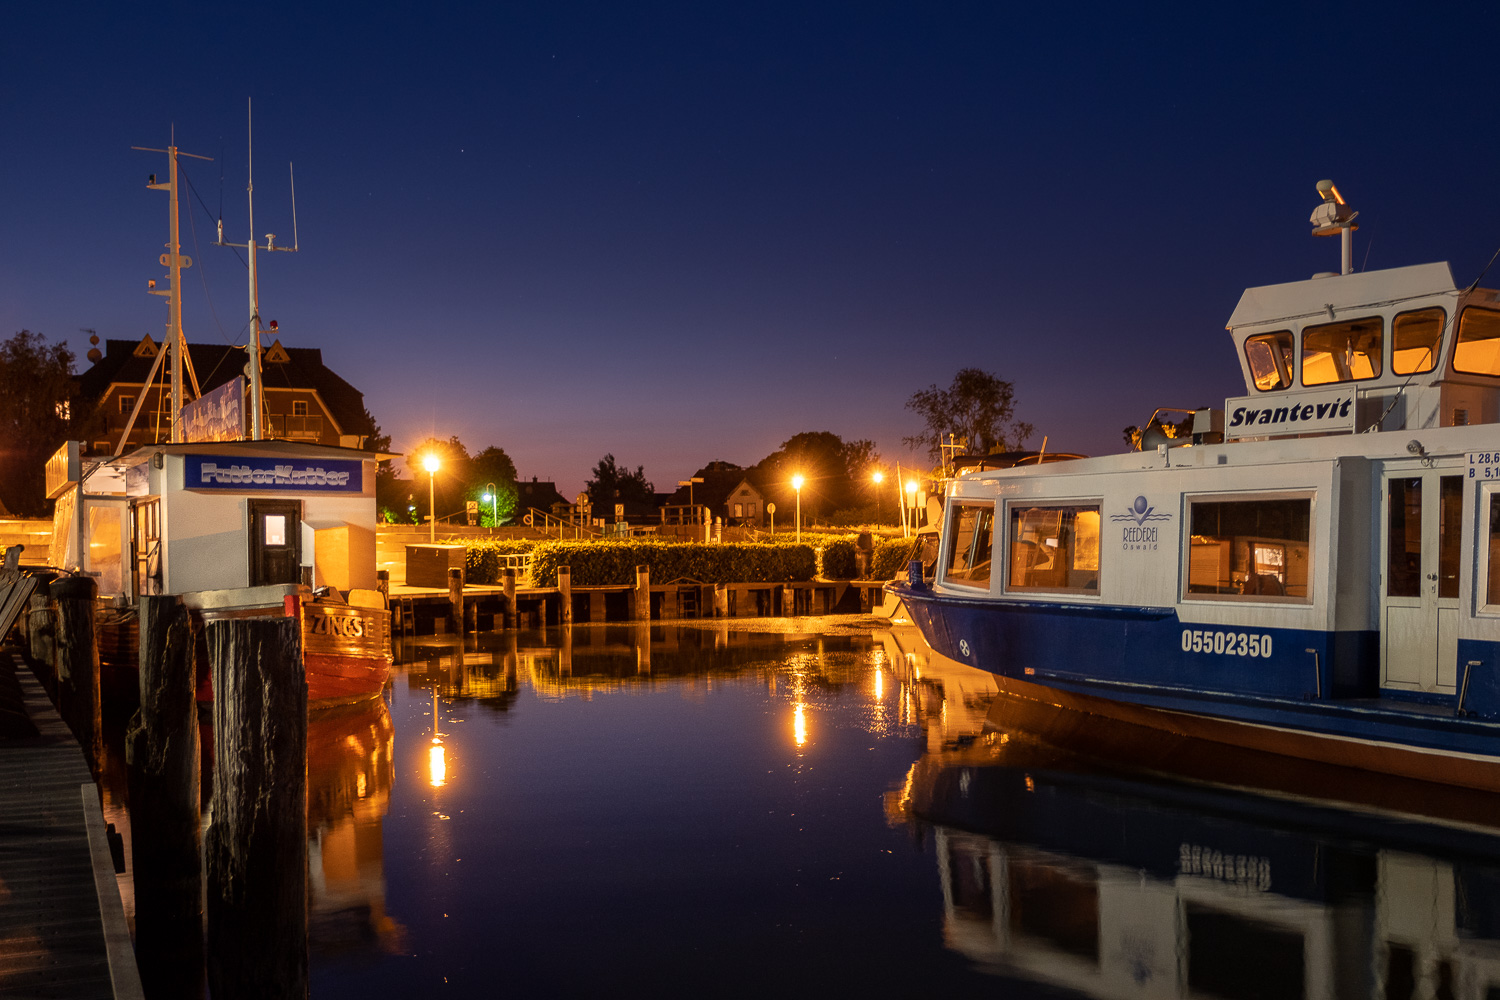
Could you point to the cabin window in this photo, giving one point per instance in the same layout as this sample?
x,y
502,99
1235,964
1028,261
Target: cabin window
x,y
1492,589
1054,548
1478,348
1271,359
1257,548
1346,351
1416,338
970,541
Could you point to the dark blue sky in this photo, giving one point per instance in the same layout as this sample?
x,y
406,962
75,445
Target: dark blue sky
x,y
681,233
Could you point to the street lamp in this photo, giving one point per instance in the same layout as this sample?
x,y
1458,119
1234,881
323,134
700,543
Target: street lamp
x,y
431,463
797,485
879,478
911,492
493,496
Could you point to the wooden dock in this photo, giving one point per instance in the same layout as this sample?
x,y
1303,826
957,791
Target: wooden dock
x,y
62,927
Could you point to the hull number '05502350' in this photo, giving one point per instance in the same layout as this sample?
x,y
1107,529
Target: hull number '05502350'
x,y
1199,640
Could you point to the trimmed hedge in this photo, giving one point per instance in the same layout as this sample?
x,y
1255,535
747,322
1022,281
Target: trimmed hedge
x,y
609,562
606,563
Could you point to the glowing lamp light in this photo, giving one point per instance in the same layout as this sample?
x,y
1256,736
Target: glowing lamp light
x,y
879,476
432,463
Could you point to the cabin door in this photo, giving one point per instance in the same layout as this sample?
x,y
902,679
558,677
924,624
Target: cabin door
x,y
275,542
1420,555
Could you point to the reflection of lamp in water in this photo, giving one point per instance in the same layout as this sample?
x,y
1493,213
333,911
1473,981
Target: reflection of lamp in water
x,y
799,723
437,758
879,684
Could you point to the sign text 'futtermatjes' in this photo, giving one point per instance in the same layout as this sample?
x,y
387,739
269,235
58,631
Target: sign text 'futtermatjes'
x,y
281,475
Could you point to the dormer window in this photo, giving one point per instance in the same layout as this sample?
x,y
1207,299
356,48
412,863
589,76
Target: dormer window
x,y
1478,349
1416,338
1270,356
1346,351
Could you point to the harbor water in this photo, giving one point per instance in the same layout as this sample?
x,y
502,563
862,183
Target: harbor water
x,y
798,806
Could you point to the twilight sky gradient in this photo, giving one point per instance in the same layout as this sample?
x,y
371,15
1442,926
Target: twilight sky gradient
x,y
685,232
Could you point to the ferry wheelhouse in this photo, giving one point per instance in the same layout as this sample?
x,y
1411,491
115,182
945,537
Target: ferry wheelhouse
x,y
1314,570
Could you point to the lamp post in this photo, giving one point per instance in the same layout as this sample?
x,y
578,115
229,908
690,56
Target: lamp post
x,y
431,463
493,496
911,493
879,478
797,485
900,500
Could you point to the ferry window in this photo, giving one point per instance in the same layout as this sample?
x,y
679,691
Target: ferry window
x,y
970,539
1492,592
1271,359
1341,352
1415,340
1478,348
1256,548
1054,548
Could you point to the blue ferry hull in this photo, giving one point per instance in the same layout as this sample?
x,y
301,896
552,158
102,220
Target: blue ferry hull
x,y
1144,667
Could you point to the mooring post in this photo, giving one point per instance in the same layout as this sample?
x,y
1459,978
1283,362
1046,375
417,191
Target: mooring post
x,y
383,583
508,585
721,600
78,664
565,595
256,850
456,599
640,598
162,760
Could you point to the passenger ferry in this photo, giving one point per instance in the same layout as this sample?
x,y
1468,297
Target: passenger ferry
x,y
1313,570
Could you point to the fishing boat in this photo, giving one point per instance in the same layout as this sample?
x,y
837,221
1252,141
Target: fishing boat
x,y
237,524
1312,570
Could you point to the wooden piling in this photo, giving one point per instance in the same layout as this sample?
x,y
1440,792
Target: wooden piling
x,y
640,597
78,664
565,595
41,631
721,600
788,601
162,759
256,850
508,584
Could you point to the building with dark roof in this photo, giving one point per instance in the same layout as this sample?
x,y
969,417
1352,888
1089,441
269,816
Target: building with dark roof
x,y
303,400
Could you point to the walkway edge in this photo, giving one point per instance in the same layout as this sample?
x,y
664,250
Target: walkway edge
x,y
123,973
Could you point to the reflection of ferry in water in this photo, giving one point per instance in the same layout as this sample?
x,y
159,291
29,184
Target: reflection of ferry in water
x,y
1120,886
1317,576
350,769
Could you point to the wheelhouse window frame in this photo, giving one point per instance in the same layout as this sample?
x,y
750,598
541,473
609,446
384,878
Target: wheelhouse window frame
x,y
1459,342
1344,371
1434,352
1272,354
1263,553
1076,551
976,572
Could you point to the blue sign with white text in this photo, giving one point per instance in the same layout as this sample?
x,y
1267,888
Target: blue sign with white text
x,y
244,474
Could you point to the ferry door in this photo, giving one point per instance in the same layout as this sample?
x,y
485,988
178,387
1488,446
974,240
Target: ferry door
x,y
275,542
1421,557
145,546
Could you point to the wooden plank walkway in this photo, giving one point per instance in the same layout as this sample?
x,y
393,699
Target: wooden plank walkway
x,y
62,928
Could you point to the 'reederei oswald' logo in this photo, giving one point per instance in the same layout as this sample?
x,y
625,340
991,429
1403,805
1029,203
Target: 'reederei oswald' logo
x,y
1138,533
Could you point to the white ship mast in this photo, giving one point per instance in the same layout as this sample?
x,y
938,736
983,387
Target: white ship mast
x,y
257,430
176,262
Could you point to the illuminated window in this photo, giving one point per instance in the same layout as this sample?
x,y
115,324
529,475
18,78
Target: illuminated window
x,y
1492,591
1255,549
1271,359
1054,548
299,407
275,529
1346,351
1478,348
970,539
739,510
1416,338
